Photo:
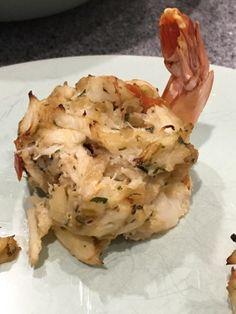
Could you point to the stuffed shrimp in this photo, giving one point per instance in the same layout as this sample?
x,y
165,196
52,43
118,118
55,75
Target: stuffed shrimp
x,y
112,157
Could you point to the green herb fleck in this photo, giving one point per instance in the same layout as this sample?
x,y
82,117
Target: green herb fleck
x,y
136,207
119,187
122,148
126,117
82,93
158,170
99,199
143,168
180,140
150,129
115,129
114,106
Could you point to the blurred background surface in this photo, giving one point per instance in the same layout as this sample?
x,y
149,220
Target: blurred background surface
x,y
116,27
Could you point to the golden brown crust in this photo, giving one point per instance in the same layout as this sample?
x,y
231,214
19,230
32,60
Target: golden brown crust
x,y
9,249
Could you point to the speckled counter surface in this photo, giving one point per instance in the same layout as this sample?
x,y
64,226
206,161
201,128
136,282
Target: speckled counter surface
x,y
117,27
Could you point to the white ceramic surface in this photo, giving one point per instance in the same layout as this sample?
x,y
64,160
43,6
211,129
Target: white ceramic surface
x,y
183,271
16,10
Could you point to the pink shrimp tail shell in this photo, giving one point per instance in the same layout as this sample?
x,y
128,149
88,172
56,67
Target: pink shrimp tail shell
x,y
190,83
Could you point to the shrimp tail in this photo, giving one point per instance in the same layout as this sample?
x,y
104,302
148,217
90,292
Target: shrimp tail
x,y
190,83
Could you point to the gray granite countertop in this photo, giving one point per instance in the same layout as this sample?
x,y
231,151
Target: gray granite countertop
x,y
117,27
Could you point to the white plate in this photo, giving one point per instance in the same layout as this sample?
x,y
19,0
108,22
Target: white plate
x,y
181,272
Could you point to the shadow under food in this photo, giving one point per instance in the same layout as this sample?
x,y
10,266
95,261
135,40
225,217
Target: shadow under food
x,y
46,241
132,268
201,134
